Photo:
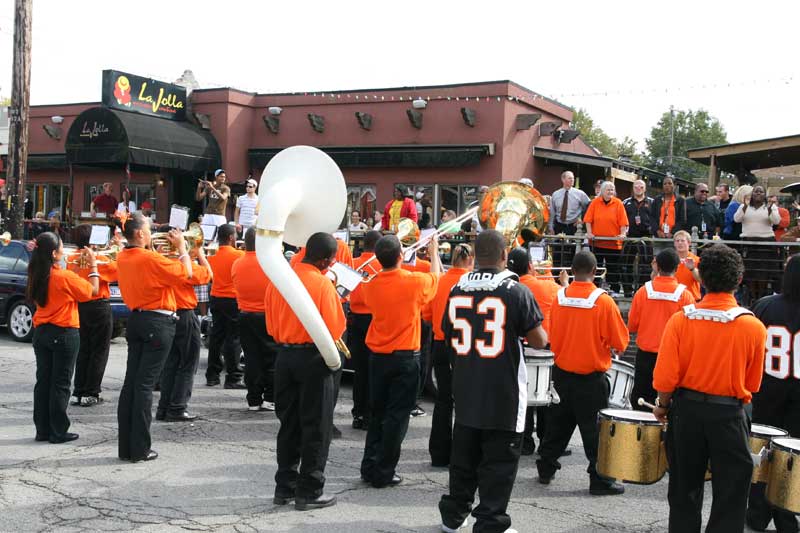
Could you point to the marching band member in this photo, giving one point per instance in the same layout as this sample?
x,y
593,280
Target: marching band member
x,y
487,314
177,377
776,403
396,298
585,325
357,326
441,437
420,264
710,361
303,382
651,308
56,293
687,274
250,284
97,325
146,281
224,340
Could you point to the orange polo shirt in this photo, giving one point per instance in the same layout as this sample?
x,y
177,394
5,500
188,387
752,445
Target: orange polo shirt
x,y
544,292
726,359
396,298
283,324
433,312
648,317
420,266
684,276
582,339
107,271
343,254
185,297
221,264
357,304
147,279
250,283
607,220
65,290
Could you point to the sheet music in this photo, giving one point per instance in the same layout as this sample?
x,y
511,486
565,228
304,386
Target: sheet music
x,y
100,235
209,231
179,217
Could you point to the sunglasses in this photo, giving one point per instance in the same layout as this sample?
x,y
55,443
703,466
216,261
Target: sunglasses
x,y
250,186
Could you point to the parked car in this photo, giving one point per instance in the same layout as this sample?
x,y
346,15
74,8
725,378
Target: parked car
x,y
15,312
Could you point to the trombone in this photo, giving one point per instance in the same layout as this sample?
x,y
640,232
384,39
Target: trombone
x,y
543,271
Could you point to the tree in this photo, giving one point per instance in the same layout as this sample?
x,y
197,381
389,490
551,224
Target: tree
x,y
690,129
601,141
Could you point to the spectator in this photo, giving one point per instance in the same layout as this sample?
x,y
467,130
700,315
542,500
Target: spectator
x,y
567,205
606,217
687,272
761,262
732,230
356,224
401,206
126,205
147,210
668,211
780,228
28,206
723,194
597,186
217,194
104,203
246,207
702,214
376,220
639,210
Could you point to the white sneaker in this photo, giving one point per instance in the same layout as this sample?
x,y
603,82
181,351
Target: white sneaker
x,y
464,524
268,406
254,408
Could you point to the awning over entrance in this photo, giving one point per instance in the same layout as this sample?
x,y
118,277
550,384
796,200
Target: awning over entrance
x,y
751,155
570,157
406,155
100,136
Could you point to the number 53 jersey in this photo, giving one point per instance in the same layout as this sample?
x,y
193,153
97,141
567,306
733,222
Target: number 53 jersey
x,y
781,317
487,314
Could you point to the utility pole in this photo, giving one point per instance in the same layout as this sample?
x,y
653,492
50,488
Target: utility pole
x,y
671,133
18,117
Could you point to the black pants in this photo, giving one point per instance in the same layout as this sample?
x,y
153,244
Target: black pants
x,y
95,339
357,326
304,405
563,251
259,358
181,365
149,337
485,460
776,404
393,382
224,341
425,351
56,349
636,273
612,260
540,424
441,439
696,433
643,379
582,397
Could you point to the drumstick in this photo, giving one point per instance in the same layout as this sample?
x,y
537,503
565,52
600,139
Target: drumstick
x,y
645,404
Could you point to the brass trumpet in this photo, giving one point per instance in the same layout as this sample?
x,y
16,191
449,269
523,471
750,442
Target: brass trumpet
x,y
193,237
101,258
5,238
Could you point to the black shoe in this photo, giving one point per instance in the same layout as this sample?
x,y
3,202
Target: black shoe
x,y
566,453
235,385
755,523
545,480
157,387
283,500
528,446
66,438
418,411
440,464
183,417
396,480
161,415
359,423
151,455
304,504
41,438
336,433
212,382
605,488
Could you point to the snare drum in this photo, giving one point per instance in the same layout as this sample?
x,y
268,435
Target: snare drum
x,y
760,437
620,379
630,447
783,487
539,365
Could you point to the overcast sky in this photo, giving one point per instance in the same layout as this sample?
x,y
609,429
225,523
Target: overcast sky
x,y
626,62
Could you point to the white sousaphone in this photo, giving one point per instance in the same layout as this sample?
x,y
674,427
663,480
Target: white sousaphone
x,y
301,192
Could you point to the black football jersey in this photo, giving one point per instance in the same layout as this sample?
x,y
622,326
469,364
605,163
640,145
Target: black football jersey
x,y
781,316
487,314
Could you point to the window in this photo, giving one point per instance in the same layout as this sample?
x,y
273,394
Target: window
x,y
141,192
8,257
49,199
22,263
361,198
458,197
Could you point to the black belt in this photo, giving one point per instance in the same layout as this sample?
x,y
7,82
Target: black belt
x,y
695,396
401,353
251,313
305,346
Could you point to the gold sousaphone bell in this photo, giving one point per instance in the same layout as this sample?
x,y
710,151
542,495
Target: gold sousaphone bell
x,y
515,210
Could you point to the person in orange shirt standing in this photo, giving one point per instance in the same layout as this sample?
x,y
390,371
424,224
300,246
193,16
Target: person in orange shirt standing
x,y
396,298
585,325
651,308
250,284
357,326
97,324
177,378
146,281
56,293
606,217
441,439
710,361
420,264
304,381
224,339
687,274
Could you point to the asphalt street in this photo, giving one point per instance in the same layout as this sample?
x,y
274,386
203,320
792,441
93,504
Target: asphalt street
x,y
217,474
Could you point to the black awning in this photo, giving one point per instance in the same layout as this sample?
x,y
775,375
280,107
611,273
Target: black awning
x,y
403,156
100,136
570,157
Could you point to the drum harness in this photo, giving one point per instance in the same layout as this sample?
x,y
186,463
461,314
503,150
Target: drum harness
x,y
674,296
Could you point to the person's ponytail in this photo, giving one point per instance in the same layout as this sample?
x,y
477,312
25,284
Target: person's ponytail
x,y
40,266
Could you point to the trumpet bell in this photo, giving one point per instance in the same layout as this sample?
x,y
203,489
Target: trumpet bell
x,y
5,238
407,231
514,210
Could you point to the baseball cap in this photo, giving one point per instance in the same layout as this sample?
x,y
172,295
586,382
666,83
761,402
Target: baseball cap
x,y
218,172
252,182
518,260
526,181
420,195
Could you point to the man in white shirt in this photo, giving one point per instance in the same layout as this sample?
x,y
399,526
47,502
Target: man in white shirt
x,y
246,207
567,206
